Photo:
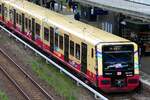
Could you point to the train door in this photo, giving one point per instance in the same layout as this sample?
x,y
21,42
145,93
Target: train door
x,y
33,29
23,26
0,9
19,20
51,39
66,49
10,13
84,58
3,12
14,18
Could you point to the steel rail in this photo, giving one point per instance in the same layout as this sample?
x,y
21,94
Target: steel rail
x,y
16,84
97,94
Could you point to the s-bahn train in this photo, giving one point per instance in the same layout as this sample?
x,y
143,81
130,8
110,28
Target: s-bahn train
x,y
107,61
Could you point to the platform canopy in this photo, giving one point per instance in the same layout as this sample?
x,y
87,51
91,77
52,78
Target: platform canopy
x,y
122,6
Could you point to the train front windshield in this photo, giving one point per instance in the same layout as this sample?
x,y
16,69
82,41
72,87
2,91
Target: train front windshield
x,y
118,60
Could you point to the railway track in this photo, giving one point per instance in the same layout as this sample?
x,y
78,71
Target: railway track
x,y
23,82
13,82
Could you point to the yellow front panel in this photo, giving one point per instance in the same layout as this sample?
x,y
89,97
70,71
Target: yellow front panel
x,y
136,60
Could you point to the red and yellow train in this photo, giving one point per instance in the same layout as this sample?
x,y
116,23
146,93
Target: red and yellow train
x,y
107,61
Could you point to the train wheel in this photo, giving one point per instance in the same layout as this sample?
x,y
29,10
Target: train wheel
x,y
139,88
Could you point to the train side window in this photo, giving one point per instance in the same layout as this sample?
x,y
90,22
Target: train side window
x,y
30,28
20,19
0,8
61,42
11,14
26,23
5,11
17,18
71,48
46,34
92,52
38,28
56,39
77,51
52,38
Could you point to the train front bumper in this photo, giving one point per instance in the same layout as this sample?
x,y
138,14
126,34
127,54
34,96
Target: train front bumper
x,y
106,85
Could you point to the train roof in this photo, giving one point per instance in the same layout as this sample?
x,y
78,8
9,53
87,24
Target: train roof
x,y
84,31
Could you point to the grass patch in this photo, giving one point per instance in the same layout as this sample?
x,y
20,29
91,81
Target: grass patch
x,y
3,96
62,84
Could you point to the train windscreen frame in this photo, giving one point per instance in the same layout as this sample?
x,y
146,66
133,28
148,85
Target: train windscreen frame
x,y
118,60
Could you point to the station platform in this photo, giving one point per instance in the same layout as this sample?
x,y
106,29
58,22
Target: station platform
x,y
145,64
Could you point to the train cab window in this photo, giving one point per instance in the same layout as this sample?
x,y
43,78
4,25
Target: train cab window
x,y
20,19
38,28
56,39
77,51
61,42
71,48
92,52
26,23
46,34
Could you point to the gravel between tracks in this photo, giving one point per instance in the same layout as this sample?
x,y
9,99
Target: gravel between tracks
x,y
9,88
22,80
